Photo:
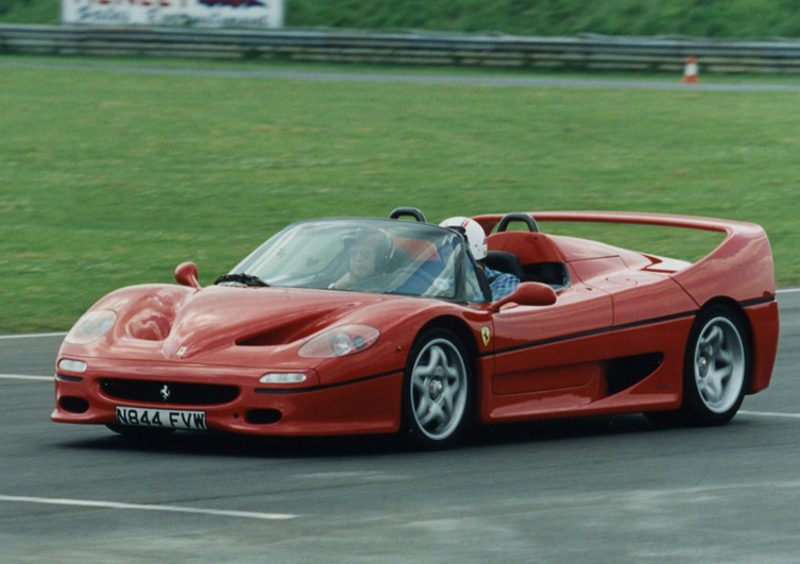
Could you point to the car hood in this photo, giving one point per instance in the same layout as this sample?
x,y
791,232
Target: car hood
x,y
174,323
257,317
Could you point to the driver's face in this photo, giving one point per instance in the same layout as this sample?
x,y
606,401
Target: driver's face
x,y
362,261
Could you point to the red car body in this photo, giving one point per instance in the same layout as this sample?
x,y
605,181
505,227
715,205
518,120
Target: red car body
x,y
614,341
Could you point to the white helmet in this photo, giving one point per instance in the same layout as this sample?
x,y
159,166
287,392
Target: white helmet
x,y
472,231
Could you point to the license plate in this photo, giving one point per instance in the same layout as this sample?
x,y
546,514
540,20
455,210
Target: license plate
x,y
165,418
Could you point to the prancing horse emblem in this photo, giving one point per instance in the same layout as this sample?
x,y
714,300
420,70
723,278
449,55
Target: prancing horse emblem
x,y
486,335
165,393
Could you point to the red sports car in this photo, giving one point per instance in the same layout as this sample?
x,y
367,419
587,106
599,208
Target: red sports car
x,y
349,326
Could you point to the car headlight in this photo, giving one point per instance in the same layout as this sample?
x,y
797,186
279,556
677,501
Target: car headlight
x,y
72,365
283,378
345,340
92,326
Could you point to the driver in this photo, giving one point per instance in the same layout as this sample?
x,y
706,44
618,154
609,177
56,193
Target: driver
x,y
369,255
501,283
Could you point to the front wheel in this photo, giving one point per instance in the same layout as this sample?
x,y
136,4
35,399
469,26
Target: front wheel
x,y
717,367
437,390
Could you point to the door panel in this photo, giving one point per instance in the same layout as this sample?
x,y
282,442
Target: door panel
x,y
534,344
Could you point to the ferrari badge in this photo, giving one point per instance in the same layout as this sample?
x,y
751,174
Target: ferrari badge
x,y
486,335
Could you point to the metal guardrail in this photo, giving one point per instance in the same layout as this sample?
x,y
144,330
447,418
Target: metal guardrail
x,y
585,53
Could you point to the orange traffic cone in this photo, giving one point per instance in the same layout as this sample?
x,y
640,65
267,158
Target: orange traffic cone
x,y
690,70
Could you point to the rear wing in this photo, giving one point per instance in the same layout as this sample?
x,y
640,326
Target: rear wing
x,y
740,267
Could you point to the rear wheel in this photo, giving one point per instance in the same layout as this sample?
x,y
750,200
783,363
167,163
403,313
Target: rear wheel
x,y
716,371
438,390
716,367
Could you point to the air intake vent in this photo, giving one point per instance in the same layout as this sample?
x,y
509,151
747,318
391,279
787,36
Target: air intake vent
x,y
173,393
263,416
623,373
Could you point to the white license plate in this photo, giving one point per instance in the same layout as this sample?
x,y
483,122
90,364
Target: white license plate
x,y
166,418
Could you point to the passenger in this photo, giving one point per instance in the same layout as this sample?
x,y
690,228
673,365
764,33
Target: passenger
x,y
501,283
369,255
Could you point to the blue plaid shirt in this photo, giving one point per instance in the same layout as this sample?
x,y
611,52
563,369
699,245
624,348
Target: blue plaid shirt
x,y
501,283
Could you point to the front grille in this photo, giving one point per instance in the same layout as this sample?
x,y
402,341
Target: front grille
x,y
175,393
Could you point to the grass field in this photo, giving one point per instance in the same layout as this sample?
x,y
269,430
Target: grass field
x,y
109,178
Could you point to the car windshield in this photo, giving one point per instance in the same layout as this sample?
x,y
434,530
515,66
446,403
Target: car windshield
x,y
363,255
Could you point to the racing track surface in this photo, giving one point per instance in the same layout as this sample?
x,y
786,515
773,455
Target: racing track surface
x,y
589,491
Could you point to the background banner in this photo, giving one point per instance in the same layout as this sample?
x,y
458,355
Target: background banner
x,y
204,13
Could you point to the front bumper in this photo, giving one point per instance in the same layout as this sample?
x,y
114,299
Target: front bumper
x,y
243,405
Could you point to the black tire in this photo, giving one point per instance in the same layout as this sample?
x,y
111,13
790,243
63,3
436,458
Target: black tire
x,y
717,367
438,391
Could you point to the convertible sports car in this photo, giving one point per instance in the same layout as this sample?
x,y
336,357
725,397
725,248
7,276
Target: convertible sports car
x,y
295,341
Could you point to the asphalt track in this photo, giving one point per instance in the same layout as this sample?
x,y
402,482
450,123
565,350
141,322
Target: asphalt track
x,y
599,490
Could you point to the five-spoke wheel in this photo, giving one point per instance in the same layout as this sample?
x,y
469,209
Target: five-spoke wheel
x,y
717,367
438,390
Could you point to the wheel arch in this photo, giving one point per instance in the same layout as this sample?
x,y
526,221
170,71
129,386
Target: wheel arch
x,y
734,306
457,326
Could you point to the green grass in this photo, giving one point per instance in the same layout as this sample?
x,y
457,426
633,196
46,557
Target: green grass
x,y
109,179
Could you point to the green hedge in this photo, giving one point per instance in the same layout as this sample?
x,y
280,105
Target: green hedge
x,y
30,11
700,18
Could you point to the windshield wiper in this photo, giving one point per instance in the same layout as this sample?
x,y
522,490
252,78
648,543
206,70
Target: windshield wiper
x,y
241,278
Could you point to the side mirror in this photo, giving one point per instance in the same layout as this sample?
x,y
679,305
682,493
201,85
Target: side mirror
x,y
186,275
528,294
